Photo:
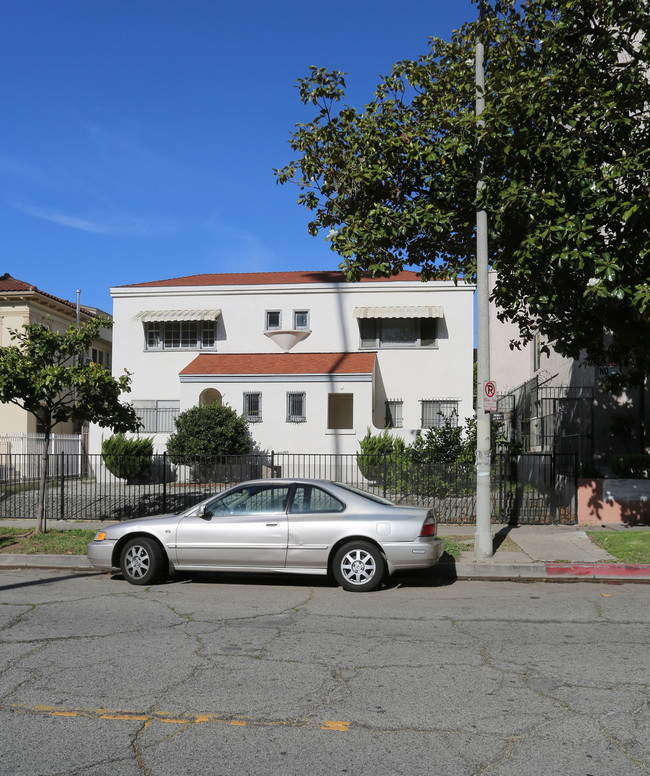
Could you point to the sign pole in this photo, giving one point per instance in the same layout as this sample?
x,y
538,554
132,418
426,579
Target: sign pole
x,y
483,545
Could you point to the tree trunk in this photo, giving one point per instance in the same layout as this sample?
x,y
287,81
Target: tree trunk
x,y
42,485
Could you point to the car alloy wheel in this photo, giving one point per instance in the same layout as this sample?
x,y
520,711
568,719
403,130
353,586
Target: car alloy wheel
x,y
141,561
359,566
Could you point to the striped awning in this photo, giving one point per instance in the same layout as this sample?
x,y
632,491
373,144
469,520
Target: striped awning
x,y
405,311
177,315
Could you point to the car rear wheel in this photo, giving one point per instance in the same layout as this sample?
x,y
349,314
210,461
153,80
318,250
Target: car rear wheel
x,y
141,561
359,566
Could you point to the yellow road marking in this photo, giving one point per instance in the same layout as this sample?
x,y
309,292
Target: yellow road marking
x,y
170,718
333,724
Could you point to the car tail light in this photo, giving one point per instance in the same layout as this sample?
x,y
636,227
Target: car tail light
x,y
429,526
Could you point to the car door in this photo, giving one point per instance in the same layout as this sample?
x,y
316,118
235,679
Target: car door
x,y
315,523
245,527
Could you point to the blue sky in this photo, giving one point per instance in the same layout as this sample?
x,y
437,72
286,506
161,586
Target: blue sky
x,y
137,139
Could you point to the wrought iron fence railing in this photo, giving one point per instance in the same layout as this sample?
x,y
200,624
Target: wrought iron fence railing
x,y
526,488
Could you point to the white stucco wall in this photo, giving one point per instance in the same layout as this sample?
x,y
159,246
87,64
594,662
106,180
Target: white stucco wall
x,y
406,374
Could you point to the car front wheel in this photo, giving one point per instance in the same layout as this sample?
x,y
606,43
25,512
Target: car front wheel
x,y
141,561
359,567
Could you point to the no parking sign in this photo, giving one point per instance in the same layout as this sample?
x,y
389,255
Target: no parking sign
x,y
489,396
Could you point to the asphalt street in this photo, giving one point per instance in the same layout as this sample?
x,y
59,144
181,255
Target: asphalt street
x,y
224,675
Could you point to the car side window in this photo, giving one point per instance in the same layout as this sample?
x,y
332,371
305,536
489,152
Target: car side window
x,y
309,498
251,500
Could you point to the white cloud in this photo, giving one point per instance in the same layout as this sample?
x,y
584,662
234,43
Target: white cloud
x,y
113,225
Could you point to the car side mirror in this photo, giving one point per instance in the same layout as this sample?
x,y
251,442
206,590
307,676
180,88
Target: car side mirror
x,y
202,511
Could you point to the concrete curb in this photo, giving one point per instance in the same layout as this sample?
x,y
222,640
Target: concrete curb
x,y
598,570
9,560
480,570
551,572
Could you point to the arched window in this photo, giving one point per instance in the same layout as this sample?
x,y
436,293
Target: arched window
x,y
210,396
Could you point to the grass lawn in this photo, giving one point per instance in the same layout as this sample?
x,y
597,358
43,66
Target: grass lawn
x,y
69,541
625,546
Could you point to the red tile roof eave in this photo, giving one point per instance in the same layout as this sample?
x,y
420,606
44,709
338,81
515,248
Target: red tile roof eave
x,y
21,288
266,278
265,364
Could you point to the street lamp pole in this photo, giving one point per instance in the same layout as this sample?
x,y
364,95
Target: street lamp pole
x,y
483,546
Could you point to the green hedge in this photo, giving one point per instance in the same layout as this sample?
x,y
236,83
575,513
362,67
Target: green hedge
x,y
128,459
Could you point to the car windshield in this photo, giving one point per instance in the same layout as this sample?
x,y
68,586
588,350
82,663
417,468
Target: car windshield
x,y
365,494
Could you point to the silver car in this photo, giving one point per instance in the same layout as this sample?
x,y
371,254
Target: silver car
x,y
291,526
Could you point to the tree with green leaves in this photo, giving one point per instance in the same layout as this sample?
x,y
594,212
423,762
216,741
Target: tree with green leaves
x,y
206,431
565,143
46,374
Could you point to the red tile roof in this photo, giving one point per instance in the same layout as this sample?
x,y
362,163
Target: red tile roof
x,y
266,279
281,364
10,285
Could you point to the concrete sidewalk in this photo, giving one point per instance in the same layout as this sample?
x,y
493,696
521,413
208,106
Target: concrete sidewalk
x,y
527,552
551,552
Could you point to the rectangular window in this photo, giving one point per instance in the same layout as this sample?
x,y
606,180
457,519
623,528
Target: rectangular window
x,y
273,320
296,409
209,334
157,416
368,332
179,335
377,333
301,319
438,413
340,411
101,358
394,414
152,336
253,407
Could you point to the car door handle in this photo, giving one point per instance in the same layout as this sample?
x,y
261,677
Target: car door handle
x,y
271,525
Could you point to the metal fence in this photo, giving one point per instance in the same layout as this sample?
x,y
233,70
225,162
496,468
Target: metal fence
x,y
529,488
20,454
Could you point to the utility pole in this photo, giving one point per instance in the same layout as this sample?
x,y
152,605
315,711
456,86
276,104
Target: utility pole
x,y
483,546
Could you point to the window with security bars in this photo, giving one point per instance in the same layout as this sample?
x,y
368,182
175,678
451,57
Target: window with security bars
x,y
436,412
296,411
179,335
253,407
394,414
157,417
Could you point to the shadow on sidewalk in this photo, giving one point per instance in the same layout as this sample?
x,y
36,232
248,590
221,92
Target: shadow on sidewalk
x,y
500,536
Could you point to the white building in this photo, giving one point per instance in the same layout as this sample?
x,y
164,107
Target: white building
x,y
310,360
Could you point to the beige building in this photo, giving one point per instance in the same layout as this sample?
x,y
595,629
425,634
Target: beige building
x,y
22,303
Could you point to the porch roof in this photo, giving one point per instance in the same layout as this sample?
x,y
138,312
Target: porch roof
x,y
243,364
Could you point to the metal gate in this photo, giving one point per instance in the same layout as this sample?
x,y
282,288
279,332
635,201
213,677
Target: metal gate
x,y
536,488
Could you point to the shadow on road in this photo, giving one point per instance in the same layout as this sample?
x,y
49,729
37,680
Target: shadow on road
x,y
440,575
33,582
